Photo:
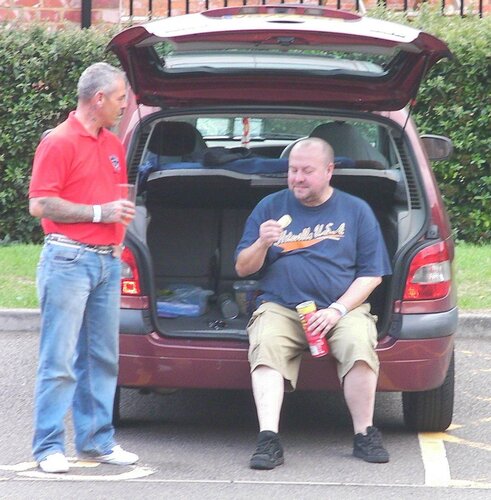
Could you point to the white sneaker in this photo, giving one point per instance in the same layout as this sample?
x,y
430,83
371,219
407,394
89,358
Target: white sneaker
x,y
54,463
118,456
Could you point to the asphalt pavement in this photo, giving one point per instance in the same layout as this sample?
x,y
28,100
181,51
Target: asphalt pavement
x,y
472,324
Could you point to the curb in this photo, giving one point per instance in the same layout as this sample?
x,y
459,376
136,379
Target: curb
x,y
19,320
471,324
474,325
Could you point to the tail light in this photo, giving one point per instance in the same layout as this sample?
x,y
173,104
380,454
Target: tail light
x,y
130,279
430,274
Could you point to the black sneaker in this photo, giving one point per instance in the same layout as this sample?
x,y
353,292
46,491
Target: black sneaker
x,y
269,452
369,447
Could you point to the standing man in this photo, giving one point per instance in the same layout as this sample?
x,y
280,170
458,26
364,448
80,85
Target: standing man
x,y
332,253
74,191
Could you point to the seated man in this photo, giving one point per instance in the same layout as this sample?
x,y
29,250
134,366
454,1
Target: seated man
x,y
333,253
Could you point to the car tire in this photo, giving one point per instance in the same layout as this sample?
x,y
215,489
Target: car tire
x,y
117,407
431,411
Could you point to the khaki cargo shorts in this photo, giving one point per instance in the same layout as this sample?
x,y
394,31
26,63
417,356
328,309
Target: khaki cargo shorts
x,y
277,340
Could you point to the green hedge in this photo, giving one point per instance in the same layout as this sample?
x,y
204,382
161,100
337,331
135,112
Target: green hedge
x,y
455,100
39,70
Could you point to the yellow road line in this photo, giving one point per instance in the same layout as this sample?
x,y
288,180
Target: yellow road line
x,y
437,470
472,444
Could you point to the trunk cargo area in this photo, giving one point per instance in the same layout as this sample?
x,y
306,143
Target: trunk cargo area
x,y
196,219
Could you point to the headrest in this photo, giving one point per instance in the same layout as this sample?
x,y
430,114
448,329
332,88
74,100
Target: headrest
x,y
347,140
173,139
335,132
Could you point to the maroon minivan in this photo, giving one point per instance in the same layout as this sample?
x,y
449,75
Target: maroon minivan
x,y
218,99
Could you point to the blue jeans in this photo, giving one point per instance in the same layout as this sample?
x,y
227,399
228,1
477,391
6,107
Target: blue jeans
x,y
79,295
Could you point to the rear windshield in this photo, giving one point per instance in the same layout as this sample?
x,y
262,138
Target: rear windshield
x,y
265,128
269,135
367,61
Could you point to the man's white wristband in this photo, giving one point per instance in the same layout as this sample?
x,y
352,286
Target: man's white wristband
x,y
97,213
339,307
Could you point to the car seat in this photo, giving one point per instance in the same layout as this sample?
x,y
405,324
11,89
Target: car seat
x,y
348,141
173,142
348,144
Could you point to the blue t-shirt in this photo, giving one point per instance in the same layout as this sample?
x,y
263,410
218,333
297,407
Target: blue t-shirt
x,y
322,251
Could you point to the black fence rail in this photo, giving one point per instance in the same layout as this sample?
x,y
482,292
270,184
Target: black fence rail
x,y
145,10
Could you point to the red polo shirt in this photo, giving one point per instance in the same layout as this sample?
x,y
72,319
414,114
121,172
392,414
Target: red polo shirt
x,y
72,164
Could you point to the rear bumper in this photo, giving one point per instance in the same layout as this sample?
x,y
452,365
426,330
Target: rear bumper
x,y
426,326
151,361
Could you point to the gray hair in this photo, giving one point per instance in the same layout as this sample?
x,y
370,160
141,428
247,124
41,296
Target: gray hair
x,y
98,76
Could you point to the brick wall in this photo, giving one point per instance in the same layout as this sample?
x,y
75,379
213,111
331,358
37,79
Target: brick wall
x,y
115,11
57,11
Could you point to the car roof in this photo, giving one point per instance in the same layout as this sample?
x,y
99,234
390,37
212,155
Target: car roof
x,y
305,55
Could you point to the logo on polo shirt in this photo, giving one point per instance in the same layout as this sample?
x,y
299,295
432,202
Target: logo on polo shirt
x,y
115,162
